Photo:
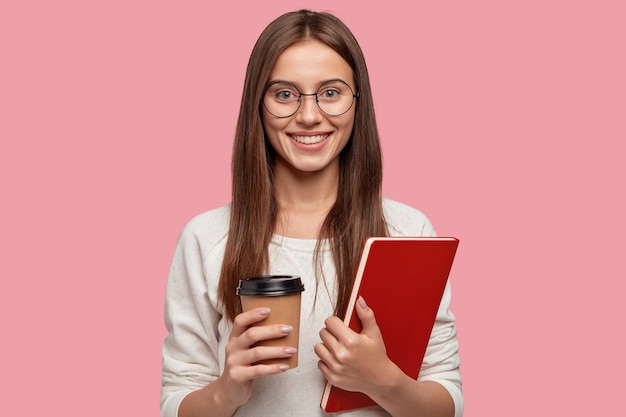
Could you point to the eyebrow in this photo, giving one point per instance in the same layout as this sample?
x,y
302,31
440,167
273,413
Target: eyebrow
x,y
279,81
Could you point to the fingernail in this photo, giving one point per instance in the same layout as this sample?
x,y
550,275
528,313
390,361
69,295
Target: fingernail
x,y
362,302
291,350
286,329
264,311
283,368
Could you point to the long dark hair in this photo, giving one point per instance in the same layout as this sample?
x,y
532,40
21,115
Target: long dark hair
x,y
357,212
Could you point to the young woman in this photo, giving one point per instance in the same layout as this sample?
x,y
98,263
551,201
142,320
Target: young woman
x,y
307,178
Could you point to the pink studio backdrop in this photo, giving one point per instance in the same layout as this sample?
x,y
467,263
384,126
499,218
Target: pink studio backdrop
x,y
503,121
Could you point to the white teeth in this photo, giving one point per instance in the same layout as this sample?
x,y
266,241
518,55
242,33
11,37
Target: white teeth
x,y
309,140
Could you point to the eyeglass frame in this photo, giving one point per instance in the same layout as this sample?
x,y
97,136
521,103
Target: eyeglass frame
x,y
317,101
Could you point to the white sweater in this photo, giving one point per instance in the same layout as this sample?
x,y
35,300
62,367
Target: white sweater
x,y
193,351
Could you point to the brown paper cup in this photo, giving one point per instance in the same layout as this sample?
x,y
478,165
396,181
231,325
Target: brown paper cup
x,y
282,294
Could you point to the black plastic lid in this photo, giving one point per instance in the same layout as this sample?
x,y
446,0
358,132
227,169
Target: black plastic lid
x,y
270,285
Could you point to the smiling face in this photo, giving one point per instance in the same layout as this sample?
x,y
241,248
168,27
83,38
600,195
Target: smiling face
x,y
309,140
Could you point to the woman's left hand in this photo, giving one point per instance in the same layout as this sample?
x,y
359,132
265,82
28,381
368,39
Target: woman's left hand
x,y
355,361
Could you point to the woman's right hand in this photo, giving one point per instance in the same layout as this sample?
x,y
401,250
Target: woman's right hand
x,y
241,369
233,388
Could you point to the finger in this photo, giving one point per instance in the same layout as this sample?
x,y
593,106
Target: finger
x,y
263,353
329,342
322,366
255,334
334,377
246,319
237,357
247,373
326,357
368,319
336,353
327,337
339,341
338,329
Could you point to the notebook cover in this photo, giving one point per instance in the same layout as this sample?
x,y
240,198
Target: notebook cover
x,y
399,277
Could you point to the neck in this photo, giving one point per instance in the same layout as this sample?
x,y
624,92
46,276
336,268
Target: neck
x,y
304,199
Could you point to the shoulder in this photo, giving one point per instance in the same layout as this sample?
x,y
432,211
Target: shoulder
x,y
404,220
208,227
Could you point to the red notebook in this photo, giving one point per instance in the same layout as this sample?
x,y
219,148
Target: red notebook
x,y
397,277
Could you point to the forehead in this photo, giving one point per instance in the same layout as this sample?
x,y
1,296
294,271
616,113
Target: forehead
x,y
309,63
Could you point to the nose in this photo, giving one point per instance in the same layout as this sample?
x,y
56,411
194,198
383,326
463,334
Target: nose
x,y
309,112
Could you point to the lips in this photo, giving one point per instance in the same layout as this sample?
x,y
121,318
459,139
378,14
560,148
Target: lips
x,y
310,139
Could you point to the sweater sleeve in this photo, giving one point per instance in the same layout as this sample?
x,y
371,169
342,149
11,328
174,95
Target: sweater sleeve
x,y
441,361
190,350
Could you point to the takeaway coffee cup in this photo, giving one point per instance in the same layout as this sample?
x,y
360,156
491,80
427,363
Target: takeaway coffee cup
x,y
282,294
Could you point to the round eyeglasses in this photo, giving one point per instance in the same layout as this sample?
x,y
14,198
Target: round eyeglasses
x,y
334,98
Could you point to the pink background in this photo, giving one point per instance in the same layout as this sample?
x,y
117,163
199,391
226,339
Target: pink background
x,y
503,121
